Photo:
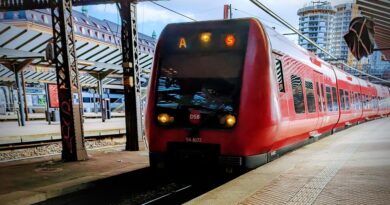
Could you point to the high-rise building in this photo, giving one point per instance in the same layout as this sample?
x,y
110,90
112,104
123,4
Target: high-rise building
x,y
378,66
343,16
316,22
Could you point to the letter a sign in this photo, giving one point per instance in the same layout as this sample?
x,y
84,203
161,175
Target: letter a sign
x,y
182,43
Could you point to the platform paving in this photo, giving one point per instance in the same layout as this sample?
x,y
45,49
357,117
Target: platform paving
x,y
32,182
10,132
349,167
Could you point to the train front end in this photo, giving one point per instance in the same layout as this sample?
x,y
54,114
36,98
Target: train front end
x,y
195,109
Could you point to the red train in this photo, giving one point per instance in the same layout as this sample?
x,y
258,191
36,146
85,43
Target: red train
x,y
237,93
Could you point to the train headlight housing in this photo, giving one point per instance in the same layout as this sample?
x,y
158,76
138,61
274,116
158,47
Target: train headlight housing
x,y
164,119
229,120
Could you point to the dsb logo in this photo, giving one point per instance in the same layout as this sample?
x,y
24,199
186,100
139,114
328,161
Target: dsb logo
x,y
195,117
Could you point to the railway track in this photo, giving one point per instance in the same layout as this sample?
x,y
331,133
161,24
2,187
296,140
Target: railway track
x,y
50,147
144,187
37,143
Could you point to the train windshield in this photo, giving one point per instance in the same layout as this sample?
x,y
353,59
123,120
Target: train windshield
x,y
205,77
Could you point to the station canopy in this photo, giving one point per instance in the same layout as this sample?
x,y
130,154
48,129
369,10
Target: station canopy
x,y
19,44
379,12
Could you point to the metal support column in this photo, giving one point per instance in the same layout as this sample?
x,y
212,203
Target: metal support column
x,y
21,114
102,100
130,67
47,104
24,96
69,95
99,77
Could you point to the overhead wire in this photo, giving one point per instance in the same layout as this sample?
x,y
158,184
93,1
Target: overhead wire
x,y
171,10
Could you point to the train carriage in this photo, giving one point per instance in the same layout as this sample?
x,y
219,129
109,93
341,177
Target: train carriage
x,y
237,93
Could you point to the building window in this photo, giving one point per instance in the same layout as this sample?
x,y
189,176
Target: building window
x,y
44,19
329,98
311,104
297,90
96,25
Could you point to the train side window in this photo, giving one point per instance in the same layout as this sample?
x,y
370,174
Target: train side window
x,y
319,98
342,99
356,101
329,98
335,105
323,98
279,75
297,91
352,100
347,105
359,101
364,102
311,104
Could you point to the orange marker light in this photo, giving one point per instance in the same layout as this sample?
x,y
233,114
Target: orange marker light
x,y
230,40
205,37
182,43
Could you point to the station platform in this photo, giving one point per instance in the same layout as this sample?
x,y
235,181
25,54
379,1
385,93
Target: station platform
x,y
349,167
38,130
31,182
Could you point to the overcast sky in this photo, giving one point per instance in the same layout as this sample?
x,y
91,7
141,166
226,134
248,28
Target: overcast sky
x,y
154,18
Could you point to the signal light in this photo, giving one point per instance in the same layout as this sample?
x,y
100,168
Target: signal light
x,y
165,119
205,37
230,40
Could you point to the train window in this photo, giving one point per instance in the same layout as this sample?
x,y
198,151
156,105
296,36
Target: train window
x,y
356,101
342,99
323,97
359,101
367,102
279,74
364,101
347,105
319,97
297,90
335,105
352,100
329,98
311,104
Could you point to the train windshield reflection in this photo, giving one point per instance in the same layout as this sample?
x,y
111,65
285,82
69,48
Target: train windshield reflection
x,y
209,82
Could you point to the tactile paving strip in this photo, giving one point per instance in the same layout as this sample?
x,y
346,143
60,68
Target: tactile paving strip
x,y
302,185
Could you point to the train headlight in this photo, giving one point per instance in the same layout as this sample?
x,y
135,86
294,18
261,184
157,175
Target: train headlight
x,y
165,119
229,120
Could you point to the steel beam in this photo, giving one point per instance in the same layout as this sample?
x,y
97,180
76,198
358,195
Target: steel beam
x,y
130,67
8,5
69,95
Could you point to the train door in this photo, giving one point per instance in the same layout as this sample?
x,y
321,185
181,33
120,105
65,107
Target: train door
x,y
320,100
283,94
